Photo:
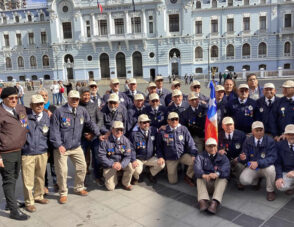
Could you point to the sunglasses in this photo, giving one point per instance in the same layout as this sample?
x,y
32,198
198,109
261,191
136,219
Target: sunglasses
x,y
93,86
155,100
13,97
196,87
119,129
174,119
111,102
177,85
244,91
145,122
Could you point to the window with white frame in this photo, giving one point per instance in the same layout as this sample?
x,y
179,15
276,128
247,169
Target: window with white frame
x,y
288,20
230,25
119,26
33,62
20,62
198,53
230,50
151,24
262,49
6,40
214,51
262,23
103,27
8,63
174,23
287,49
246,50
31,38
198,27
136,24
246,23
214,26
88,28
18,39
43,37
45,61
67,32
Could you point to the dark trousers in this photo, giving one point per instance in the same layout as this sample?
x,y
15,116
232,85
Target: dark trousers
x,y
10,172
52,169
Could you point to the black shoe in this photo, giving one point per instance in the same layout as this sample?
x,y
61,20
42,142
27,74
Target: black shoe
x,y
19,204
18,215
151,178
134,181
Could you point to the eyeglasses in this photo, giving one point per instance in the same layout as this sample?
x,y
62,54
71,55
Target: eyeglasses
x,y
155,100
244,91
12,97
145,122
159,81
119,129
177,85
112,103
93,86
196,87
174,119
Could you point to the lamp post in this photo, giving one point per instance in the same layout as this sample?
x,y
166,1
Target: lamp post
x,y
208,58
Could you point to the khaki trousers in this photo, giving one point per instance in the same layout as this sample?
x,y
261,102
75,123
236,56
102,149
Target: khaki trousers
x,y
60,161
152,162
172,168
288,183
199,142
217,186
33,175
250,177
110,176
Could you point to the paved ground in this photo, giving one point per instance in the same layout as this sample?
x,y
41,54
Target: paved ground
x,y
155,205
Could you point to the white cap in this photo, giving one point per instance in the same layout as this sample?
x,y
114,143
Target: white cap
x,y
289,129
257,124
210,141
194,83
143,118
243,86
176,92
92,83
158,78
37,99
172,115
269,85
227,120
153,96
193,95
114,81
151,84
288,84
139,97
74,94
175,82
117,124
132,81
219,88
113,97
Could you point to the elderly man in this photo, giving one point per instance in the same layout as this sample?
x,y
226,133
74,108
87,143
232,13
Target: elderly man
x,y
195,87
230,143
66,128
194,119
175,145
177,105
285,162
143,138
34,154
132,91
114,154
162,92
243,109
265,109
255,91
151,88
212,171
259,153
13,130
95,97
155,111
174,85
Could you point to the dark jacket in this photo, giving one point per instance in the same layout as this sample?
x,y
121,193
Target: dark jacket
x,y
220,165
133,114
221,112
157,119
163,94
123,98
131,97
285,160
179,110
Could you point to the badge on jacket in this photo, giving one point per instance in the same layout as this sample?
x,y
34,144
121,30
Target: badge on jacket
x,y
260,109
181,137
237,145
23,120
82,120
152,138
45,129
262,155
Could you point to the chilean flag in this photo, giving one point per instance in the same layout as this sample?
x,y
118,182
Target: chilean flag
x,y
211,118
99,6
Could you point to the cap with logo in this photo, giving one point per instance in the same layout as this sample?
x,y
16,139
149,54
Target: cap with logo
x,y
143,118
257,124
37,99
154,96
117,124
172,115
113,98
74,94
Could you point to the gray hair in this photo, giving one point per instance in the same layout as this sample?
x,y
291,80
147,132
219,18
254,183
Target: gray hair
x,y
42,90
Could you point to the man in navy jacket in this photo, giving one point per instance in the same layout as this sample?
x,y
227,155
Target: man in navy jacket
x,y
259,153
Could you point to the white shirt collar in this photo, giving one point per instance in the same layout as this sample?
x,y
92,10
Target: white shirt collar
x,y
266,99
155,108
39,116
227,135
8,109
255,140
242,101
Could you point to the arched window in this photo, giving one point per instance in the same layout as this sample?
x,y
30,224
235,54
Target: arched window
x,y
45,60
246,50
8,63
33,61
247,67
262,49
198,5
17,19
46,77
230,51
198,53
9,78
287,66
42,17
34,77
262,66
214,51
29,18
287,48
20,62
199,70
231,68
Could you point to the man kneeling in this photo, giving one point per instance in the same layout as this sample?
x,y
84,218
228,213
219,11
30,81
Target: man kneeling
x,y
115,154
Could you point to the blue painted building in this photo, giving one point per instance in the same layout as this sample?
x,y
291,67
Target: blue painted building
x,y
73,39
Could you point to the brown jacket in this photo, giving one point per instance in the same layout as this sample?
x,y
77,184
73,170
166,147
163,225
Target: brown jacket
x,y
12,130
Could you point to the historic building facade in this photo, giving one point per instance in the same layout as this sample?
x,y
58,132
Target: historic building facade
x,y
73,39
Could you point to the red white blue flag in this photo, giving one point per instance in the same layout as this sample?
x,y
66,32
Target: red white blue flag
x,y
99,6
211,118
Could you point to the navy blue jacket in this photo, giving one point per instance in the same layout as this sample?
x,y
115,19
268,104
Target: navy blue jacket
x,y
229,98
162,96
283,113
157,119
143,147
243,114
172,108
133,114
285,160
220,164
195,120
97,100
161,99
123,98
265,156
221,112
171,145
265,114
66,129
233,147
168,98
111,151
131,97
37,135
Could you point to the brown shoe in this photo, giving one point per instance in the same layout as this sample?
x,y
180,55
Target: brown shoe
x,y
63,199
257,187
189,181
128,188
42,201
30,208
240,187
203,205
82,193
289,192
270,196
46,191
213,206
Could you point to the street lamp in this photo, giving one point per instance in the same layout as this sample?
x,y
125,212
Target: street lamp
x,y
208,63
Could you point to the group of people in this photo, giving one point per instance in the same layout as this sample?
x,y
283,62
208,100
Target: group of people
x,y
124,134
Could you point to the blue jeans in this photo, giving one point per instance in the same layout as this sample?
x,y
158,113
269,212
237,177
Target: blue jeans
x,y
20,100
93,145
55,99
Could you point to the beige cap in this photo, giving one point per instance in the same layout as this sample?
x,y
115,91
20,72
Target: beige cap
x,y
113,97
288,84
143,118
289,129
219,88
176,92
228,120
269,85
210,141
158,78
117,124
243,86
92,83
114,81
194,83
139,97
151,84
175,82
172,115
153,96
37,99
193,95
132,81
257,124
74,94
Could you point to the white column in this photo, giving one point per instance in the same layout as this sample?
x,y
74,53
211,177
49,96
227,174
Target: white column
x,y
144,22
262,72
127,23
81,25
244,74
280,70
94,25
110,26
164,21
